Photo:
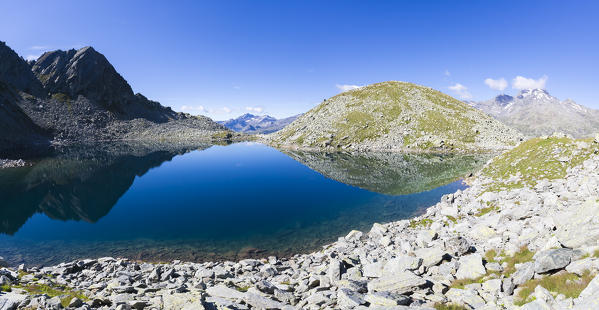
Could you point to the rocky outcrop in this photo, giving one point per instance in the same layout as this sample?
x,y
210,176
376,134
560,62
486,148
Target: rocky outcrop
x,y
487,247
534,112
395,116
77,95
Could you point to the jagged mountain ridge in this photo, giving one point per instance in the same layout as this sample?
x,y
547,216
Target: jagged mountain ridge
x,y
257,124
77,95
534,112
395,116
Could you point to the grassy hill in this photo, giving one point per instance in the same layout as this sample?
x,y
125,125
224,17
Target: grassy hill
x,y
395,116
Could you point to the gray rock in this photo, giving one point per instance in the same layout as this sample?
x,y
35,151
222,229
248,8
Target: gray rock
x,y
549,260
335,270
75,303
224,292
457,246
400,283
261,302
10,301
373,270
348,299
430,256
507,286
471,267
386,299
402,263
524,273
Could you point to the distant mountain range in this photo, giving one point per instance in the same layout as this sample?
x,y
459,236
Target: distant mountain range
x,y
77,95
257,124
534,112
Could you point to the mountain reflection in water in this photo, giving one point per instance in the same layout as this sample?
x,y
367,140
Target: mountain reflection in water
x,y
210,203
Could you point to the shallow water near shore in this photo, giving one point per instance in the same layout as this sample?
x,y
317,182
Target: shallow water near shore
x,y
209,202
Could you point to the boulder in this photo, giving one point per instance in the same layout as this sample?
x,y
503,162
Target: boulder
x,y
471,267
430,256
400,283
348,299
401,264
457,246
386,299
523,273
550,260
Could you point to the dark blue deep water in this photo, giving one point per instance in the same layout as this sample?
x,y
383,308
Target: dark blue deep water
x,y
211,202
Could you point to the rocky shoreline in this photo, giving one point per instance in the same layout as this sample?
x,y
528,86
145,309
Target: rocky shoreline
x,y
523,236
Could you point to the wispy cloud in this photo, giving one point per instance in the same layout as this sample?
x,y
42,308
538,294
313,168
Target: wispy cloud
x,y
521,82
499,84
461,91
236,87
39,47
447,73
346,87
227,110
193,108
255,109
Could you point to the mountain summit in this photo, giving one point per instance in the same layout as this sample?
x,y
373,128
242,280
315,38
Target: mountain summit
x,y
257,124
77,95
535,112
396,116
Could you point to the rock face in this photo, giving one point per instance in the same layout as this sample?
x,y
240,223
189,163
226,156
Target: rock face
x,y
534,112
17,130
395,116
77,95
421,263
257,124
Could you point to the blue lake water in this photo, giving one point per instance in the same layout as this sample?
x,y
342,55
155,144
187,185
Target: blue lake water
x,y
209,202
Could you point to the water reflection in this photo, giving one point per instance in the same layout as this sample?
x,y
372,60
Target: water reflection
x,y
213,202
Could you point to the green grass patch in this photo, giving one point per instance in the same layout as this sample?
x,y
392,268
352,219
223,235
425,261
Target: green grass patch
x,y
66,294
490,256
440,306
222,135
537,159
420,223
522,256
565,283
5,288
242,289
596,253
486,210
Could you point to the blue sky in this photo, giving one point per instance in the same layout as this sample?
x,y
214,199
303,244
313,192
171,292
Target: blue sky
x,y
224,58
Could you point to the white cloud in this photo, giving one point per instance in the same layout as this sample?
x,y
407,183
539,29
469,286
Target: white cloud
x,y
499,84
32,57
345,87
227,110
447,73
193,108
39,47
461,90
521,82
255,109
236,87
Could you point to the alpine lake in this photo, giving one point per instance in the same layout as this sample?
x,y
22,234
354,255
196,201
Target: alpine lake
x,y
208,202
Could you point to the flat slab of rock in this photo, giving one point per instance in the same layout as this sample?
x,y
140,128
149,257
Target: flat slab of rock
x,y
224,292
400,283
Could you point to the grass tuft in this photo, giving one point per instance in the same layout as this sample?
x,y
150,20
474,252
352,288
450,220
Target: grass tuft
x,y
565,283
440,306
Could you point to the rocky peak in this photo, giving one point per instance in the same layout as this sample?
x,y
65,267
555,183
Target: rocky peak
x,y
16,73
504,99
536,93
82,72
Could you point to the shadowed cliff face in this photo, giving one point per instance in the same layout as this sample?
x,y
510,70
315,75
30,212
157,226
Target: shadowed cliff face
x,y
391,173
81,183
